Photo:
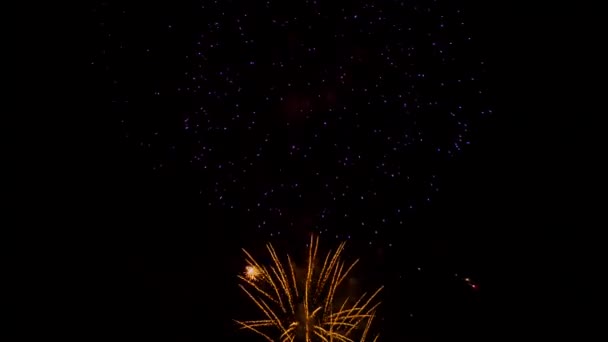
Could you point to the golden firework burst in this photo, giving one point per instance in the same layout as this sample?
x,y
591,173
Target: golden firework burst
x,y
303,306
252,272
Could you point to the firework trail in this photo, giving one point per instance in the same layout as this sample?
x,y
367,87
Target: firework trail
x,y
302,306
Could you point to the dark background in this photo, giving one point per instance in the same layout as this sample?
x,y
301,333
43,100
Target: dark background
x,y
177,260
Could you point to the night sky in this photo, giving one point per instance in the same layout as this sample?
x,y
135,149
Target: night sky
x,y
236,123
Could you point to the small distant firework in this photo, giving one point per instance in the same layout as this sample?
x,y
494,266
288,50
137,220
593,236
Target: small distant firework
x,y
473,285
252,272
303,307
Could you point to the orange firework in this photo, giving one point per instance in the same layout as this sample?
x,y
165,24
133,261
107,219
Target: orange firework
x,y
252,272
303,306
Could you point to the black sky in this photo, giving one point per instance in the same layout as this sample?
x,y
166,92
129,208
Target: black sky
x,y
182,238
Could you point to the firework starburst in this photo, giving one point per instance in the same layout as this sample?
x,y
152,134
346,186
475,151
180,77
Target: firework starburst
x,y
304,306
252,273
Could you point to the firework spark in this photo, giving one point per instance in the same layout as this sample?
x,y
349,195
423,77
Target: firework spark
x,y
252,272
302,306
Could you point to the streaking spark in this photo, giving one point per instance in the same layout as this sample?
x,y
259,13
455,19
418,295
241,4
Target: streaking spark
x,y
303,306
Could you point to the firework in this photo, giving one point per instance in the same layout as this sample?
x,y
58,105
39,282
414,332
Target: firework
x,y
303,306
252,272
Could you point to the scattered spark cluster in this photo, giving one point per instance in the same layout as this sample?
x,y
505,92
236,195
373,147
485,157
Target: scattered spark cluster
x,y
340,117
304,305
319,113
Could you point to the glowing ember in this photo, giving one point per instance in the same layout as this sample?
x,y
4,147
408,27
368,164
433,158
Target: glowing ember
x,y
252,272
